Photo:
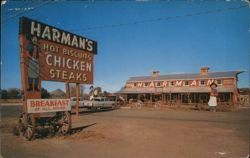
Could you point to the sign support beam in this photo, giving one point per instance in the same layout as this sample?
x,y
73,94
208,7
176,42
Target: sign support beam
x,y
67,90
77,98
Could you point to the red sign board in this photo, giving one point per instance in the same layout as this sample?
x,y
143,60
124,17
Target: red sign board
x,y
48,105
56,55
52,54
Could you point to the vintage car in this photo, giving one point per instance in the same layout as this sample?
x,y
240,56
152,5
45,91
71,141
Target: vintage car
x,y
73,102
98,103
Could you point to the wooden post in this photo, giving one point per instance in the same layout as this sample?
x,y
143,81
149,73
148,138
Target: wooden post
x,y
68,96
77,98
67,90
170,98
188,99
151,98
230,98
23,74
195,97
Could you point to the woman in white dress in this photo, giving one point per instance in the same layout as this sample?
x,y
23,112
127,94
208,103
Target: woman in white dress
x,y
213,100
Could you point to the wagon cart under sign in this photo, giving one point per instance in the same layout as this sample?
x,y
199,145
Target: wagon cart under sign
x,y
53,114
51,54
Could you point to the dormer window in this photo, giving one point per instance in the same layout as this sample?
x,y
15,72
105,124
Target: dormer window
x,y
202,82
158,84
172,83
186,83
219,82
135,84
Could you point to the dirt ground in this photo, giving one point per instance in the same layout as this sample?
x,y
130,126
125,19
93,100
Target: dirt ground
x,y
136,133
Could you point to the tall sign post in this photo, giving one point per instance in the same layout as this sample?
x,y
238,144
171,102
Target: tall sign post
x,y
52,54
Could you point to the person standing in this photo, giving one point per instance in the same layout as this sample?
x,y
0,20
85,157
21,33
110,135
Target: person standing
x,y
91,92
213,97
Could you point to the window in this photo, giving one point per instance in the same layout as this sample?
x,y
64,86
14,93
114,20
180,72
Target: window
x,y
158,84
146,84
172,83
219,82
135,84
186,83
202,82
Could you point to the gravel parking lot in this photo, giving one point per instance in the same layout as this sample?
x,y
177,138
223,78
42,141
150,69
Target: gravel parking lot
x,y
136,133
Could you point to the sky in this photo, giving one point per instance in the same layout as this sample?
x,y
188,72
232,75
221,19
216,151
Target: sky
x,y
136,37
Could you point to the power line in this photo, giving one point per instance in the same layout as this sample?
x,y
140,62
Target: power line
x,y
20,6
159,19
23,12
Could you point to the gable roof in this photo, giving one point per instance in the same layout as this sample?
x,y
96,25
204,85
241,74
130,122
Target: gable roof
x,y
186,76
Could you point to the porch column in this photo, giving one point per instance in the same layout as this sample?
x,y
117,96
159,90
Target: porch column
x,y
170,98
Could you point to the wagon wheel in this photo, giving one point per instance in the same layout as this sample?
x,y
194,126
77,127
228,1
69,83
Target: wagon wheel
x,y
21,127
65,123
29,127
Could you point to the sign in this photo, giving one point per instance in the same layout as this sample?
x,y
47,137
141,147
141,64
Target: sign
x,y
48,105
228,82
171,83
53,54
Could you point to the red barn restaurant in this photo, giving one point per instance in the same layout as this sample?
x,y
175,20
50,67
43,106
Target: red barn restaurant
x,y
182,88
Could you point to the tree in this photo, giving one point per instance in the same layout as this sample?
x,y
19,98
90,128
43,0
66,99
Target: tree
x,y
13,93
105,93
4,94
98,91
45,93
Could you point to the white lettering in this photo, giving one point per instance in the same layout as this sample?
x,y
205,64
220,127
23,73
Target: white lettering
x,y
57,61
47,59
210,82
193,83
52,73
82,43
65,38
46,33
178,83
35,29
75,65
74,41
56,35
67,63
88,67
71,76
90,46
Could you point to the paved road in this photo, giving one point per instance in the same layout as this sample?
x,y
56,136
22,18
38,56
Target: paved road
x,y
137,133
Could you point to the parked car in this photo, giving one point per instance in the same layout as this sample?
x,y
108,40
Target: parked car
x,y
99,102
73,102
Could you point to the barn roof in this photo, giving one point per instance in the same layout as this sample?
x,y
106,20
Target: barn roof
x,y
185,76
